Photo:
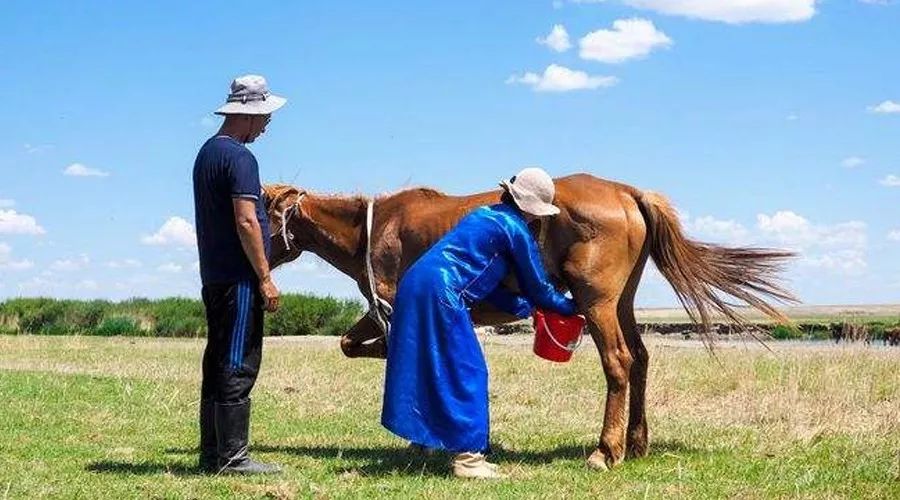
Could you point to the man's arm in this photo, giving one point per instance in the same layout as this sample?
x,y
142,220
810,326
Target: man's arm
x,y
251,236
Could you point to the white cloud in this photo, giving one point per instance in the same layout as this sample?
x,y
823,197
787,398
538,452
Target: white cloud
x,y
557,40
894,235
796,231
839,247
782,223
733,12
124,264
12,222
710,228
75,264
876,2
169,267
175,231
17,265
791,117
36,148
6,203
54,287
853,161
8,264
850,261
628,39
886,107
38,284
303,265
561,79
79,170
88,285
890,181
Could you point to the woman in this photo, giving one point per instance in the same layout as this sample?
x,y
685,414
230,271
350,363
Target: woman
x,y
436,382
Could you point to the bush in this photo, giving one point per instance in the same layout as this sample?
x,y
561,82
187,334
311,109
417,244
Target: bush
x,y
784,332
819,332
37,316
86,316
189,326
309,315
171,317
178,317
118,325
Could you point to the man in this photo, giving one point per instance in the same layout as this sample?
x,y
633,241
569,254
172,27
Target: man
x,y
233,240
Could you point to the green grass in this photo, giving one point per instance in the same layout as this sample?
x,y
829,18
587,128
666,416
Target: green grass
x,y
90,417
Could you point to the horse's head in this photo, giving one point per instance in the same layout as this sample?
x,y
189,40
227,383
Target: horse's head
x,y
284,207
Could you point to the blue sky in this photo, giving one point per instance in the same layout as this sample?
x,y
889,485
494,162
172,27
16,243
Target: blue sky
x,y
775,122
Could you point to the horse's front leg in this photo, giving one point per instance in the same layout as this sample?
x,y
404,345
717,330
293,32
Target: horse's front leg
x,y
364,340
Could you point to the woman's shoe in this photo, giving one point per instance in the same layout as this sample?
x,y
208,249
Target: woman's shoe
x,y
474,466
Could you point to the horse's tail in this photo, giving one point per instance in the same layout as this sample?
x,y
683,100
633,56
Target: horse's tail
x,y
702,273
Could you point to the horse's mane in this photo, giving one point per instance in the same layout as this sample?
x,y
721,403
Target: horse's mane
x,y
274,192
415,191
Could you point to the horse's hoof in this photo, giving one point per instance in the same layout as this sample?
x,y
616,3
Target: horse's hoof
x,y
636,448
597,461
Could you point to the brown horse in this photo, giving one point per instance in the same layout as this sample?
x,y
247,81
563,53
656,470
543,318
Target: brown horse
x,y
596,248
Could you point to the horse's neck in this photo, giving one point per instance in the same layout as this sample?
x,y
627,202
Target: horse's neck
x,y
340,226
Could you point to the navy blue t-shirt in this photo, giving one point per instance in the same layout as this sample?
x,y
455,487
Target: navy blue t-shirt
x,y
225,169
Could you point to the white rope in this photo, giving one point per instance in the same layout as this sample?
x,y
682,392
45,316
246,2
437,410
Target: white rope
x,y
284,236
379,309
284,221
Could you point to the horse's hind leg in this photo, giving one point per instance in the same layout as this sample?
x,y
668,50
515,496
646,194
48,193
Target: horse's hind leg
x,y
597,294
617,362
636,439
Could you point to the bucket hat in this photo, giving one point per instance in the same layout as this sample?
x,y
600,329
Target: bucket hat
x,y
250,96
532,189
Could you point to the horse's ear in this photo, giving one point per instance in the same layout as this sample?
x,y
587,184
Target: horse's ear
x,y
276,192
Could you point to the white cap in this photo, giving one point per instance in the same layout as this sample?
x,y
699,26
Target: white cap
x,y
532,189
250,96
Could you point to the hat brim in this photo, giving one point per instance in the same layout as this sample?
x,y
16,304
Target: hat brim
x,y
528,203
267,107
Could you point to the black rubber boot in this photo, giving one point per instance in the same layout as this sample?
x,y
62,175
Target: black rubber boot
x,y
209,455
232,431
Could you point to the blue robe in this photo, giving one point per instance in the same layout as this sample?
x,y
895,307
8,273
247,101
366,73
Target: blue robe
x,y
436,382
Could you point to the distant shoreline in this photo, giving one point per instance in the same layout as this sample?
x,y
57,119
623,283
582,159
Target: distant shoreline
x,y
797,313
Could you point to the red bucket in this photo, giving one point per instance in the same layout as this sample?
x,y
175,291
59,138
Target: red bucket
x,y
556,336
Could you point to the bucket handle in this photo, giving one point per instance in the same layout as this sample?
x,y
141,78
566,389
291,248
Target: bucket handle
x,y
553,339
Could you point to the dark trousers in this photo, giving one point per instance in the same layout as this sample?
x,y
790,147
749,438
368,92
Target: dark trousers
x,y
234,316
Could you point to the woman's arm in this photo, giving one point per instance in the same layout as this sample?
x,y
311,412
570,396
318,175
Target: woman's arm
x,y
529,268
510,302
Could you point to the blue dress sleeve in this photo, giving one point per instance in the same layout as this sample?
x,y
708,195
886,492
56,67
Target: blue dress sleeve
x,y
530,272
510,302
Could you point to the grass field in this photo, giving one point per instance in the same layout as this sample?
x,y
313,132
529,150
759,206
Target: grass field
x,y
87,417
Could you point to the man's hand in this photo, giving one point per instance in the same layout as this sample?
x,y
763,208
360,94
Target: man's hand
x,y
252,241
269,293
